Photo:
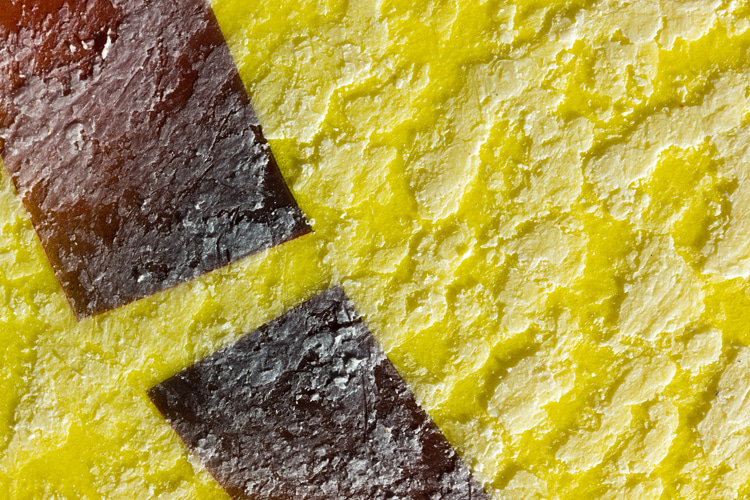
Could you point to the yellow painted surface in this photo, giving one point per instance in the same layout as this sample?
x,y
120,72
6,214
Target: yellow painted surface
x,y
542,210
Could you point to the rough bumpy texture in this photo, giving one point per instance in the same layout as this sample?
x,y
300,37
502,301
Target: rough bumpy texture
x,y
541,210
130,138
309,407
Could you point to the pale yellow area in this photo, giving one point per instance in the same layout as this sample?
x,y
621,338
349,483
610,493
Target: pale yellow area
x,y
542,210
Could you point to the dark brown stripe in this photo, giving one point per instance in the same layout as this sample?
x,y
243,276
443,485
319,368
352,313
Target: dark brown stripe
x,y
309,407
131,140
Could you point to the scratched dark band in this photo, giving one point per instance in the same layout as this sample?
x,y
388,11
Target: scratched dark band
x,y
130,138
309,407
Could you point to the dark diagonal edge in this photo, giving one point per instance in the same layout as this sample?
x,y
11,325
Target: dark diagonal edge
x,y
309,407
131,140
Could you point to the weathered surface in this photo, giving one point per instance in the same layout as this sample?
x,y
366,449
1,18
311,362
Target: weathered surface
x,y
542,209
310,407
131,140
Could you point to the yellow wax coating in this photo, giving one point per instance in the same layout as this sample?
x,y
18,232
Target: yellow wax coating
x,y
542,210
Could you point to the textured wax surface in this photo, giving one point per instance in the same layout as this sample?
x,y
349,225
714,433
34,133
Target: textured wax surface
x,y
539,208
130,138
309,407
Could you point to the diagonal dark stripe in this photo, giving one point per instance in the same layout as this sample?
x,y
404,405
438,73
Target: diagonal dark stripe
x,y
131,140
309,407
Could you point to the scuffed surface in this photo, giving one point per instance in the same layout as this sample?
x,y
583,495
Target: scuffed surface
x,y
550,237
484,179
129,136
309,407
